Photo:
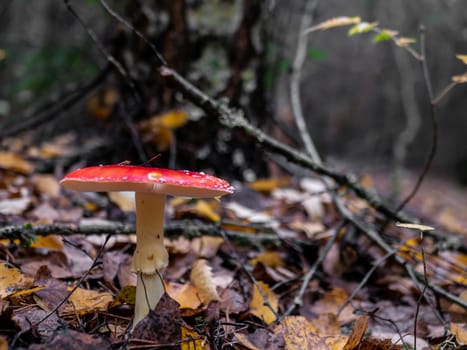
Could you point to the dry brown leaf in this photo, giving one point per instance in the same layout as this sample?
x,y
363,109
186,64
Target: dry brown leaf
x,y
404,42
245,342
3,340
12,280
258,305
460,78
332,301
14,162
206,246
334,22
358,331
47,184
300,334
201,277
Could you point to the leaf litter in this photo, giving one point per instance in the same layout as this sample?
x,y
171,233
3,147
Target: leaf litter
x,y
229,291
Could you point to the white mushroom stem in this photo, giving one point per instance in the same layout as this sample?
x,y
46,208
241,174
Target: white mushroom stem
x,y
151,257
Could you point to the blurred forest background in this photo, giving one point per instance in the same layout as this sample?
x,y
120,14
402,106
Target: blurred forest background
x,y
357,95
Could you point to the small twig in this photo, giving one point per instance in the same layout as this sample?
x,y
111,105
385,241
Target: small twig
x,y
236,259
365,279
443,93
64,300
111,59
53,109
161,60
298,300
434,124
295,80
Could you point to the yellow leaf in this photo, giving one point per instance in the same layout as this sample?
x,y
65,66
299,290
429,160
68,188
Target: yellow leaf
x,y
463,58
404,42
267,185
258,305
362,27
173,119
186,295
193,341
460,78
201,277
203,209
3,54
460,332
84,301
126,295
124,200
334,22
12,161
271,259
12,280
50,242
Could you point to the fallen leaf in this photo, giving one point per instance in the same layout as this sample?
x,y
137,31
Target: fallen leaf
x,y
14,162
185,295
84,301
358,331
206,246
70,339
14,206
47,184
300,334
165,318
267,185
332,301
50,242
191,340
459,330
268,258
125,200
201,277
12,280
258,305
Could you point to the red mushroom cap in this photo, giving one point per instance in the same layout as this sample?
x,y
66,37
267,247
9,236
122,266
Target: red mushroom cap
x,y
110,178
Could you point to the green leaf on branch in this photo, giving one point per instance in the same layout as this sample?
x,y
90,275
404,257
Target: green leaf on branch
x,y
361,28
384,35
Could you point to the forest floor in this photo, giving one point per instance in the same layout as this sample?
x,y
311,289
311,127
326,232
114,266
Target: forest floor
x,y
280,269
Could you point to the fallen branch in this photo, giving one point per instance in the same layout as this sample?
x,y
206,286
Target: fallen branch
x,y
188,228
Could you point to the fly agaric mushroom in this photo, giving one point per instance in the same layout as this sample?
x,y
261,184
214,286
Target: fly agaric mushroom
x,y
151,186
